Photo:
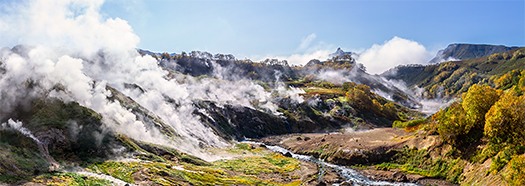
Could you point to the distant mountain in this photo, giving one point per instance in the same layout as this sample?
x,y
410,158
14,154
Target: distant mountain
x,y
450,79
456,52
340,68
339,53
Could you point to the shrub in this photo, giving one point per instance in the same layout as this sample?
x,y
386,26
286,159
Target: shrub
x,y
452,122
411,123
505,121
476,102
516,173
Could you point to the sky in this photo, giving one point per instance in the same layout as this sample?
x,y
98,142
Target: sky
x,y
285,27
385,32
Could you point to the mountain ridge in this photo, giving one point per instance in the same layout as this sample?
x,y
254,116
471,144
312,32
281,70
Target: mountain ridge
x,y
462,51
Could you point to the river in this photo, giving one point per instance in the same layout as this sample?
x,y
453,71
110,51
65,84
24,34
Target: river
x,y
348,174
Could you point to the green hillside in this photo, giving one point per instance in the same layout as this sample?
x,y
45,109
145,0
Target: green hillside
x,y
450,79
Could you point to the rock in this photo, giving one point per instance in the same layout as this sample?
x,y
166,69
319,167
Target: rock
x,y
346,183
163,173
262,145
399,177
288,154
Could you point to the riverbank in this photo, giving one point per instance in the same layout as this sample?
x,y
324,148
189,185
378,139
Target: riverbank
x,y
362,150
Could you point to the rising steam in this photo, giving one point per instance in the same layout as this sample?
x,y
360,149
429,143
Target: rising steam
x,y
17,126
69,44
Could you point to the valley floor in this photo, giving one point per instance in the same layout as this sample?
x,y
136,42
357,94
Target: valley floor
x,y
361,150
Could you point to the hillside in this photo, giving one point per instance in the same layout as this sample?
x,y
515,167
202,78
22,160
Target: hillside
x,y
340,68
113,128
184,108
82,104
450,79
462,51
481,133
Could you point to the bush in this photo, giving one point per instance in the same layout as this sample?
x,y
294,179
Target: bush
x,y
516,173
476,102
411,123
451,124
505,121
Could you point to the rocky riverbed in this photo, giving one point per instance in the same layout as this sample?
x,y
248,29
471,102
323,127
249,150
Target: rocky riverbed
x,y
361,150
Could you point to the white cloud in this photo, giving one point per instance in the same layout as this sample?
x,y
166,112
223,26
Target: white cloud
x,y
306,42
305,52
302,58
394,52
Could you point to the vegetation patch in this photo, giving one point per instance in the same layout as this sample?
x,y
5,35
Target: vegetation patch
x,y
410,123
275,163
67,179
419,162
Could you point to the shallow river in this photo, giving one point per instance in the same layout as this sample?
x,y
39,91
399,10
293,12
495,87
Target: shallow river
x,y
348,174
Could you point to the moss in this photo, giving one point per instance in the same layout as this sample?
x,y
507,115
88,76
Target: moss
x,y
245,171
68,179
255,165
121,170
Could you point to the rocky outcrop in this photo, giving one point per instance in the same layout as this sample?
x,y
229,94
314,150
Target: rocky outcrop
x,y
237,122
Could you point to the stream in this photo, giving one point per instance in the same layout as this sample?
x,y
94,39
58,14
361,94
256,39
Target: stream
x,y
348,174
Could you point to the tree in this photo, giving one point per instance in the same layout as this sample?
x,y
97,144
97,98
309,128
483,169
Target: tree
x,y
505,121
452,122
476,102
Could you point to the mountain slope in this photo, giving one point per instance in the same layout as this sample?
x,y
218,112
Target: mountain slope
x,y
460,51
450,79
341,68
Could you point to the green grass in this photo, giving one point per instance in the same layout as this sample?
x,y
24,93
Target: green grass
x,y
19,164
419,162
121,170
244,170
256,165
69,179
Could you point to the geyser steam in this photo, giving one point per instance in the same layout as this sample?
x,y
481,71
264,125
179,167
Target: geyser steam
x,y
69,44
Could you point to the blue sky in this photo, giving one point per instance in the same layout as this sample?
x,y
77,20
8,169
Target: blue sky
x,y
263,28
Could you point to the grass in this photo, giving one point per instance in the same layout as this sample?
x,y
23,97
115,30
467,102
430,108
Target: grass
x,y
408,124
67,179
255,165
419,162
246,170
121,170
19,163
